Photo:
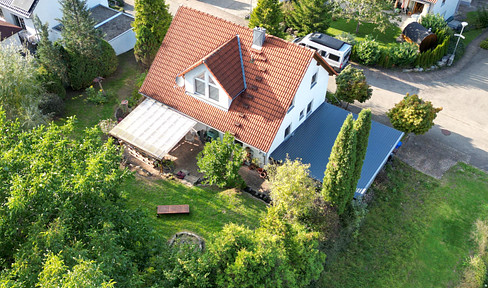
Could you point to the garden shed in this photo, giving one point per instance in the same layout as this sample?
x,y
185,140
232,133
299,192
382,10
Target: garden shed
x,y
418,34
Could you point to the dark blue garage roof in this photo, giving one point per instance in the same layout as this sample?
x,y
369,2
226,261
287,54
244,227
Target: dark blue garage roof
x,y
313,141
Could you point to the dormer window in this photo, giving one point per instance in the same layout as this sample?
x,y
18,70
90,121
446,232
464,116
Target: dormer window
x,y
205,86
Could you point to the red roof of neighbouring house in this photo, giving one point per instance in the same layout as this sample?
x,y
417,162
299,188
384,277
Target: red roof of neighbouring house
x,y
226,66
7,29
272,75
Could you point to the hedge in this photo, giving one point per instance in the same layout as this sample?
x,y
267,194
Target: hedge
x,y
431,57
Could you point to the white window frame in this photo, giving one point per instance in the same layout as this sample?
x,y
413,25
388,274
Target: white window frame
x,y
207,86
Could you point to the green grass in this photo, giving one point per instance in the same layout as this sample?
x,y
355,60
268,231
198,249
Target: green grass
x,y
120,85
471,33
417,231
209,210
341,25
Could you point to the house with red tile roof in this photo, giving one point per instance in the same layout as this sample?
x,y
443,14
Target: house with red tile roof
x,y
211,76
230,78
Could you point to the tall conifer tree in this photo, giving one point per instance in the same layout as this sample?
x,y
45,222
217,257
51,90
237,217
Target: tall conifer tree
x,y
362,126
151,24
78,32
336,187
310,16
268,14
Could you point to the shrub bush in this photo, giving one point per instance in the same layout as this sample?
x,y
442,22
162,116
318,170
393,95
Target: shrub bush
x,y
83,69
484,44
108,60
51,105
51,82
438,25
482,17
403,55
368,51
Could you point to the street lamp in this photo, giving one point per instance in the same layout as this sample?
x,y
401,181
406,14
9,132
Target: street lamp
x,y
460,35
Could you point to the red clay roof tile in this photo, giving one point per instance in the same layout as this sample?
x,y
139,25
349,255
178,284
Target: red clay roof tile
x,y
280,66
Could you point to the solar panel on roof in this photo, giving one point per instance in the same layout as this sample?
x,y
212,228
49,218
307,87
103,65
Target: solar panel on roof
x,y
23,4
326,40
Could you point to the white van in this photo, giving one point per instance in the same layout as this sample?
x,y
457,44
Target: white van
x,y
334,51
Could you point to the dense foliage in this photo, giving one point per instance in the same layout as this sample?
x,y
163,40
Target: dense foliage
x,y
368,51
52,71
403,54
292,189
352,86
220,161
87,54
20,86
339,174
150,25
277,254
310,16
51,105
484,44
268,15
482,17
59,195
413,115
438,26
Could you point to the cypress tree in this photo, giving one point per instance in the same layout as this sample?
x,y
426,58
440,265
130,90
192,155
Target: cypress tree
x,y
151,24
310,16
362,126
268,14
336,187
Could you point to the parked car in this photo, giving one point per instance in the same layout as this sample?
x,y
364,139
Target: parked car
x,y
334,51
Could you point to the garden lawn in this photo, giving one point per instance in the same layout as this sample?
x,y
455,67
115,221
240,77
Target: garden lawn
x,y
120,85
210,209
341,25
417,231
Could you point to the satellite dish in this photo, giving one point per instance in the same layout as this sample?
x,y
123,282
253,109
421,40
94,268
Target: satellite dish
x,y
180,81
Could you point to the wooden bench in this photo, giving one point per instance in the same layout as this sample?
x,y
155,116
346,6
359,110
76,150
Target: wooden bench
x,y
173,209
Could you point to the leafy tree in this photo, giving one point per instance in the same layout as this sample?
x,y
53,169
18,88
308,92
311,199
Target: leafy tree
x,y
364,11
310,16
362,126
292,190
151,24
87,54
413,115
339,174
352,86
220,162
278,254
268,14
85,274
20,88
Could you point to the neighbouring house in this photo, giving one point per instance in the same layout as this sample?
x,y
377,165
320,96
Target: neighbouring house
x,y
212,76
419,8
9,33
115,26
